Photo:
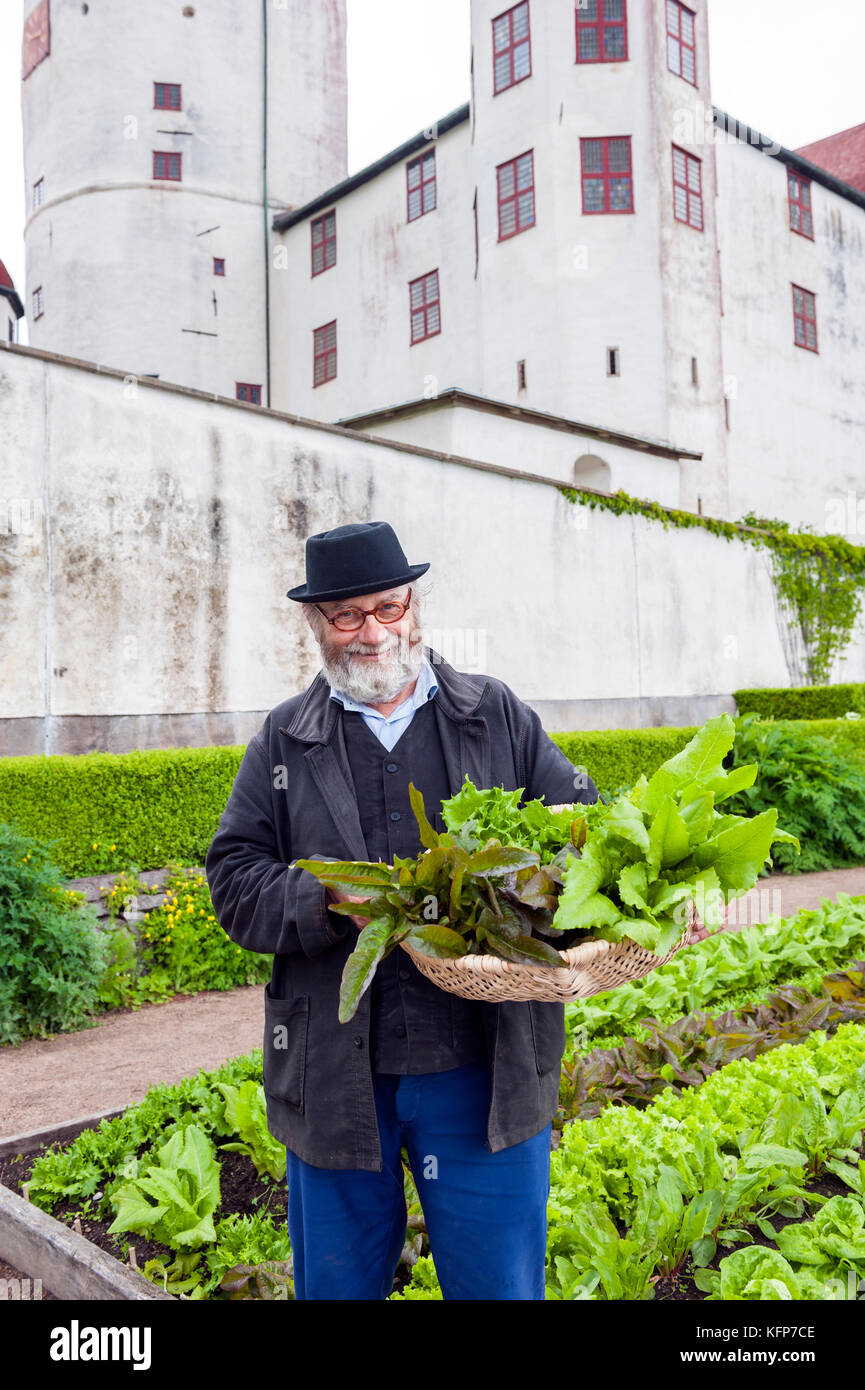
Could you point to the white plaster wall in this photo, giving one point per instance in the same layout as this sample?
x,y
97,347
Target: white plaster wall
x,y
175,524
533,448
126,263
797,438
378,253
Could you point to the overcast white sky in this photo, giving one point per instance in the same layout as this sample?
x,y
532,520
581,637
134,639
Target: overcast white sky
x,y
791,68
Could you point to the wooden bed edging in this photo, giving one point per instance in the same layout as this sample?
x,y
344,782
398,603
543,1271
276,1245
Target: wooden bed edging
x,y
63,1133
68,1264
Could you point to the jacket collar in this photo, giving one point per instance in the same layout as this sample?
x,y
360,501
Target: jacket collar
x,y
315,718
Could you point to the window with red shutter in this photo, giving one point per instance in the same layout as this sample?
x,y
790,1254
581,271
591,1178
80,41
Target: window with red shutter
x,y
421,185
324,353
424,307
687,188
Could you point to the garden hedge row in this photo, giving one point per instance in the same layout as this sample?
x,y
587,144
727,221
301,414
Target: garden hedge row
x,y
102,812
806,702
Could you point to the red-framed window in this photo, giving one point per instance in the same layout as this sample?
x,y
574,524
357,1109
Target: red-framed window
x,y
804,319
687,188
323,246
602,31
424,307
608,184
420,175
219,265
166,96
246,391
799,199
512,47
167,165
516,195
38,303
681,41
324,353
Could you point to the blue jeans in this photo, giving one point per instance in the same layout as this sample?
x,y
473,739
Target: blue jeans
x,y
485,1213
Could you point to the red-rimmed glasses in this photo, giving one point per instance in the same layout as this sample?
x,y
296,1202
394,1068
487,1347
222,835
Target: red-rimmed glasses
x,y
352,619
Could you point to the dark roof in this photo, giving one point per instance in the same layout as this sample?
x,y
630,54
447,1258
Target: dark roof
x,y
842,154
7,290
283,220
453,395
793,160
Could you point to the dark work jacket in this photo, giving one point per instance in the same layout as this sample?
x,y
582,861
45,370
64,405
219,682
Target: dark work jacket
x,y
293,799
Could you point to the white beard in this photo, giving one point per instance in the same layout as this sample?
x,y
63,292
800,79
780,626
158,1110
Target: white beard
x,y
377,683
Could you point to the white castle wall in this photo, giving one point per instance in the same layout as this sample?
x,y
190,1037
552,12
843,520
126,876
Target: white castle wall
x,y
151,533
126,263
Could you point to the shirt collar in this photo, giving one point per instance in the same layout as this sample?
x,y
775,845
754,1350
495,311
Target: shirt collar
x,y
424,690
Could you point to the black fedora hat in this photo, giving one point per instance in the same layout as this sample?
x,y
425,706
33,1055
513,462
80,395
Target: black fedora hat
x,y
362,558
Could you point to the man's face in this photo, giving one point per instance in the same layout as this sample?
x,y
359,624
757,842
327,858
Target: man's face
x,y
376,660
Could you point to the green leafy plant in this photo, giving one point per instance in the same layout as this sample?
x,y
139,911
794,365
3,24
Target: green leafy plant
x,y
174,1200
685,1052
272,1280
755,1273
817,789
459,896
797,948
246,1115
52,954
493,813
627,869
663,844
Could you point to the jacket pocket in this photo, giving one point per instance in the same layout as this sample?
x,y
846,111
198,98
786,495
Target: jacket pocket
x,y
286,1024
548,1034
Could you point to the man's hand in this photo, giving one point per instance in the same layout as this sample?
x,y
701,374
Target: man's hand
x,y
696,932
334,896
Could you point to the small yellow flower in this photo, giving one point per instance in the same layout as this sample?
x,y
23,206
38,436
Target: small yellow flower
x,y
112,847
94,846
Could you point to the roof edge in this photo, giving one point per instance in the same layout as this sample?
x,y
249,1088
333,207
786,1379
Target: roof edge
x,y
284,220
455,395
749,136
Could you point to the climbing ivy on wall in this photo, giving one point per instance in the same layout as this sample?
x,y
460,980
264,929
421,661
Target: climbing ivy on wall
x,y
818,579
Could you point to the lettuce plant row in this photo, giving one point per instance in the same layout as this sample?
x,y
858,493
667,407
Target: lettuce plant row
x,y
707,973
637,1190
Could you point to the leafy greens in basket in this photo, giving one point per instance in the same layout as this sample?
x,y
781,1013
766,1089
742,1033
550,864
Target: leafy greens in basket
x,y
505,881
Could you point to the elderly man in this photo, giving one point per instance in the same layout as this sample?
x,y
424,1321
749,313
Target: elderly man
x,y
469,1089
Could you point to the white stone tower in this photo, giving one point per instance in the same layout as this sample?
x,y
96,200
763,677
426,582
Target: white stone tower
x,y
151,132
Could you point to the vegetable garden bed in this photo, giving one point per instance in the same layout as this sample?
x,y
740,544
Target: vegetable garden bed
x,y
595,1195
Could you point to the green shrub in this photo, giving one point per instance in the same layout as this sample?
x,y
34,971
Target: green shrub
x,y
614,758
818,790
104,811
802,702
52,954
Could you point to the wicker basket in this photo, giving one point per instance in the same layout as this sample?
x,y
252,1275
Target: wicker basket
x,y
590,968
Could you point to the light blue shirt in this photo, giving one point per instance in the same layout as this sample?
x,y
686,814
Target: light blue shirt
x,y
388,728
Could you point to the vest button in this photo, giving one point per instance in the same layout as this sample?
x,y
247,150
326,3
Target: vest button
x,y
392,767
395,815
358,1042
405,974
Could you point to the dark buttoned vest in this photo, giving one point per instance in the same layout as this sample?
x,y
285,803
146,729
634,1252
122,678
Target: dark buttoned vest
x,y
415,1026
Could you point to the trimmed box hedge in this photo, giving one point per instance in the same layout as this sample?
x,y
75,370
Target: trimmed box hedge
x,y
803,702
102,812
